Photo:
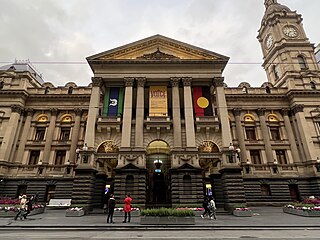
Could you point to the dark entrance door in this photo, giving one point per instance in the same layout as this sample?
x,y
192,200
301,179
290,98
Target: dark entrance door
x,y
159,188
294,192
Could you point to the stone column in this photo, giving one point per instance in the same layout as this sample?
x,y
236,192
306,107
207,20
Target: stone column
x,y
188,114
223,112
49,136
265,135
127,115
10,132
93,112
139,114
304,132
240,135
176,117
75,135
292,140
24,135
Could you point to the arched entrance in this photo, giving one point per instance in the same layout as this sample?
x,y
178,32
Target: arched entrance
x,y
158,177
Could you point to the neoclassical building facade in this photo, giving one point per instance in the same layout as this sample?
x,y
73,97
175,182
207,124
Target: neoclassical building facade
x,y
158,121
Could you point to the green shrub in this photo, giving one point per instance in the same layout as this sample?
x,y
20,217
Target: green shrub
x,y
162,212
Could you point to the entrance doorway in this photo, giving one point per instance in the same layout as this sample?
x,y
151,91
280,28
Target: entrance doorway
x,y
294,192
158,178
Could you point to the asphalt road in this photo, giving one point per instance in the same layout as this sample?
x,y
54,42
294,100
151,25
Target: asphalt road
x,y
25,234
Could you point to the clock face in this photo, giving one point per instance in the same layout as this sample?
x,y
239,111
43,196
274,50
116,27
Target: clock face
x,y
269,41
290,31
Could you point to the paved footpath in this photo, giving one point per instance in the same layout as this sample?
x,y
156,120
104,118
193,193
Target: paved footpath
x,y
267,223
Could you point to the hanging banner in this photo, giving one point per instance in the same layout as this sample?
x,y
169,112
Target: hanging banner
x,y
158,102
113,101
202,101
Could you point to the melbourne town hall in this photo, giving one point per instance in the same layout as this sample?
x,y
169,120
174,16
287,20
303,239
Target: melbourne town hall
x,y
158,122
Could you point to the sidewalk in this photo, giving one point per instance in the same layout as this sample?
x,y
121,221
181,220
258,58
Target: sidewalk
x,y
264,217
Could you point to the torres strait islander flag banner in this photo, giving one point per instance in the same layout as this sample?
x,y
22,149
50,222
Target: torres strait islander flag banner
x,y
202,101
158,102
113,101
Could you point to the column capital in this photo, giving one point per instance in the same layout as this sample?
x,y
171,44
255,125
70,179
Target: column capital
x,y
54,111
261,111
218,82
285,111
78,111
174,81
29,111
186,81
128,81
16,108
96,81
297,108
141,81
237,111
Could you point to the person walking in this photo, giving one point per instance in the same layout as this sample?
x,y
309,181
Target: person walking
x,y
22,210
212,208
205,205
28,206
127,208
111,206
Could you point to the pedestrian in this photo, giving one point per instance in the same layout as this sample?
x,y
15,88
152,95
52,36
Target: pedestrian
x,y
212,208
111,206
22,209
205,205
28,206
106,198
127,208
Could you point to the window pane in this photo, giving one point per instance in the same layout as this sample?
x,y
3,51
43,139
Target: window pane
x,y
275,133
255,156
34,157
60,157
251,133
40,133
281,156
65,134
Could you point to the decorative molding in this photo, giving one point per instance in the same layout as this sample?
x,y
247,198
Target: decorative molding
x,y
292,181
29,111
237,111
51,182
218,82
285,111
261,111
78,111
16,109
23,182
158,55
54,111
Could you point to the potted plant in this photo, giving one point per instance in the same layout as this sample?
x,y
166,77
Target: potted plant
x,y
241,210
167,216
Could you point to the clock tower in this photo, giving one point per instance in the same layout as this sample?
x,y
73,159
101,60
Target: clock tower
x,y
289,58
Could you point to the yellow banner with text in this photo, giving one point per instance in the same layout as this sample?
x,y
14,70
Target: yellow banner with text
x,y
158,101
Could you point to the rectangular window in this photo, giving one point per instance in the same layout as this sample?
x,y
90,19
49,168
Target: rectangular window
x,y
40,131
275,133
34,157
255,156
65,134
251,133
265,190
281,157
60,157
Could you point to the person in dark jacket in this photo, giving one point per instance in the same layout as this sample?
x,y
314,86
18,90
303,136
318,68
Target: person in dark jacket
x,y
111,206
205,205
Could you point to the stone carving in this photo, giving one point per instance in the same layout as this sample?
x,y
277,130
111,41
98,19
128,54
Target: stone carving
x,y
298,108
109,147
141,81
158,55
128,81
174,81
208,146
218,82
186,81
96,81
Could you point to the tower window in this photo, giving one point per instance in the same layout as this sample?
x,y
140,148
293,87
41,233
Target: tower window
x,y
70,90
46,91
313,85
302,62
268,90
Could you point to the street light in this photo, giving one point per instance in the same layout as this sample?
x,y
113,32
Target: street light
x,y
233,152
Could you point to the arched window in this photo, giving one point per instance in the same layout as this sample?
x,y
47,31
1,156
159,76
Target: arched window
x,y
70,90
313,85
275,71
46,91
187,188
302,62
268,90
129,184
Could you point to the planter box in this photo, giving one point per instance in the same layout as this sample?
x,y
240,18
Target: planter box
x,y
301,212
242,213
169,220
121,214
74,213
8,214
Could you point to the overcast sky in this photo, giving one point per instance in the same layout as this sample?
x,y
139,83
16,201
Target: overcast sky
x,y
71,30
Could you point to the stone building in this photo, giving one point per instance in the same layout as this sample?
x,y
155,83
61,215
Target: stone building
x,y
158,122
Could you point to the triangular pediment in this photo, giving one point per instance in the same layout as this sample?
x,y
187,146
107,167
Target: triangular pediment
x,y
157,47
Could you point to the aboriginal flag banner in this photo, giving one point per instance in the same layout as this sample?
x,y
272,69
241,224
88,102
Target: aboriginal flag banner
x,y
113,101
202,101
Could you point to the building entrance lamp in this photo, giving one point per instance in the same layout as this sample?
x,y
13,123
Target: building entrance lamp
x,y
85,155
234,153
318,165
158,164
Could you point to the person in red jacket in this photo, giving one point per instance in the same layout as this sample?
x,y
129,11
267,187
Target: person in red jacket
x,y
127,208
